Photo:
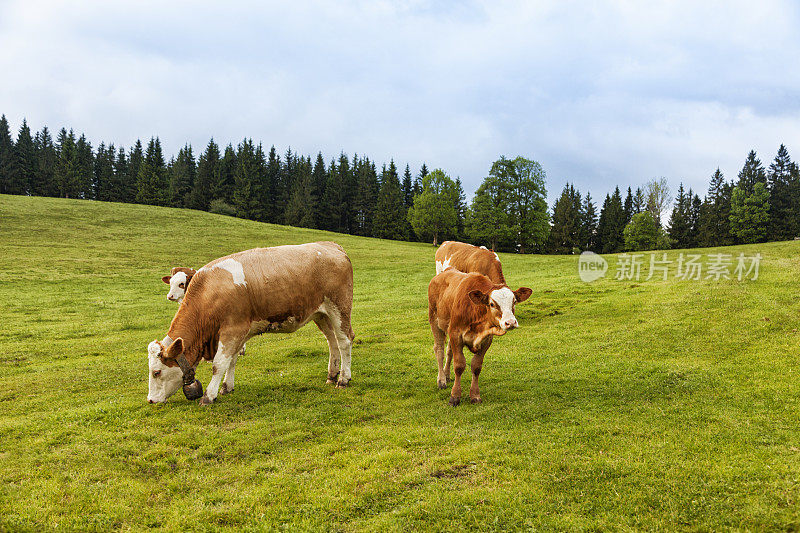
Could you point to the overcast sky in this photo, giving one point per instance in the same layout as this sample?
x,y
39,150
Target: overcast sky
x,y
600,93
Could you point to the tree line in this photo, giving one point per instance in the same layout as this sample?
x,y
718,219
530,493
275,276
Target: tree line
x,y
760,205
353,195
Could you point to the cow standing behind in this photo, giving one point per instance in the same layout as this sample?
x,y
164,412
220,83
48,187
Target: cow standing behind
x,y
468,258
468,310
257,291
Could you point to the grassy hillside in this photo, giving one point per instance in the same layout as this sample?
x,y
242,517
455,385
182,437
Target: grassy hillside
x,y
650,404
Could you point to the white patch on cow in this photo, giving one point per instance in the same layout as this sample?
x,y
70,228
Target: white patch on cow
x,y
441,266
504,299
163,381
234,267
485,248
176,293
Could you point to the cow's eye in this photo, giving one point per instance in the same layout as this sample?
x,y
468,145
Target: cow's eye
x,y
156,373
181,285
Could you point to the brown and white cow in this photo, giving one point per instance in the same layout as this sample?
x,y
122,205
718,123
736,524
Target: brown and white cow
x,y
264,290
468,258
178,280
468,310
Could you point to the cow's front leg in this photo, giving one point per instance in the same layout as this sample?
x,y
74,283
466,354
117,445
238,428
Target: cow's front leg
x,y
227,383
226,353
459,364
438,350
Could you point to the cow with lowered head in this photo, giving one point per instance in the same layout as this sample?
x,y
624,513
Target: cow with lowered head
x,y
264,290
468,311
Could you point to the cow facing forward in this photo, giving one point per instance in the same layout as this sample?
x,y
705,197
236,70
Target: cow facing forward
x,y
467,311
178,281
264,290
468,258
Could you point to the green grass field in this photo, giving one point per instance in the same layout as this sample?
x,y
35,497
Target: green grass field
x,y
616,405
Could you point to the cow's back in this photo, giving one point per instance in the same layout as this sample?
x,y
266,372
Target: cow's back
x,y
468,258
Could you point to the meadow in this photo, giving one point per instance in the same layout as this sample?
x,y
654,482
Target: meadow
x,y
616,405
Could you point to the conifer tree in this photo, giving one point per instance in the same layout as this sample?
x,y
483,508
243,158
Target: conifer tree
x,y
628,206
694,219
152,184
122,178
104,172
181,177
639,202
319,177
272,187
6,155
135,162
611,224
588,239
784,203
680,224
23,165
46,158
368,189
66,175
246,181
84,166
390,213
752,172
461,211
302,208
331,203
565,233
206,177
223,188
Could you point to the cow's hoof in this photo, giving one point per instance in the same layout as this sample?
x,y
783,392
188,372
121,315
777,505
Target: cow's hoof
x,y
454,401
475,400
205,401
442,384
224,389
342,384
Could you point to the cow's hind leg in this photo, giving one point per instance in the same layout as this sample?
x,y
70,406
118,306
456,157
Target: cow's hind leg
x,y
228,348
227,383
344,339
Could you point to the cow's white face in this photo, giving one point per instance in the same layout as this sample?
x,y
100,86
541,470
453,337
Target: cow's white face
x,y
164,381
501,303
177,287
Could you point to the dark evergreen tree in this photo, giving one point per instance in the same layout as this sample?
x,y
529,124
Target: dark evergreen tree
x,y
104,180
135,162
611,224
84,166
639,202
461,212
246,179
588,240
6,155
302,208
752,172
390,212
206,177
67,180
366,197
223,188
271,192
44,183
423,171
628,206
181,178
331,203
565,233
23,165
319,177
120,191
714,226
680,223
152,183
694,219
784,203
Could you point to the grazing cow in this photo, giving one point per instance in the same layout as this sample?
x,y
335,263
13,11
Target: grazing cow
x,y
468,310
257,291
468,258
178,281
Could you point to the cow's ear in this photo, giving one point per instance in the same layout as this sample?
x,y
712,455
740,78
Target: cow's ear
x,y
166,279
479,297
175,349
522,294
